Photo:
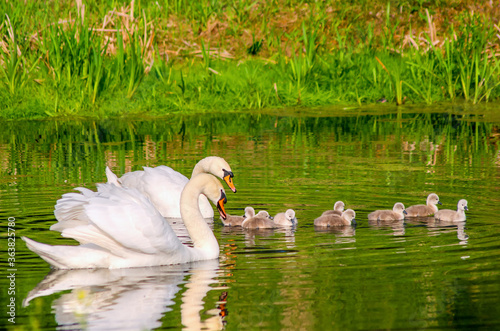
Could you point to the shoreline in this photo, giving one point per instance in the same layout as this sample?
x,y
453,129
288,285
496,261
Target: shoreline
x,y
101,62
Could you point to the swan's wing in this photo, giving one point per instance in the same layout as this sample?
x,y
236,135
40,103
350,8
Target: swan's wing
x,y
73,221
124,218
153,180
445,215
112,178
114,218
69,210
162,185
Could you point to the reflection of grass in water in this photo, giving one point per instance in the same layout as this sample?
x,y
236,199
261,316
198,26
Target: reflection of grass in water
x,y
388,143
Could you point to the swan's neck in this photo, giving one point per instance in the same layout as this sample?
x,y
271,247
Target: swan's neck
x,y
203,166
202,236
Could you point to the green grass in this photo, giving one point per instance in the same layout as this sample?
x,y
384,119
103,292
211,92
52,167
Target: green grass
x,y
110,58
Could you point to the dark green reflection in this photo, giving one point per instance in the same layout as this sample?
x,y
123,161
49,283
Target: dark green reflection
x,y
373,278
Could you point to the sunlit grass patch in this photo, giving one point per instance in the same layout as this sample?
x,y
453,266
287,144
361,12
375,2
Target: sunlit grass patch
x,y
101,58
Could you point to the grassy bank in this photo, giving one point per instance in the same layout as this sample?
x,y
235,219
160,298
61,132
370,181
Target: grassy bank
x,y
110,58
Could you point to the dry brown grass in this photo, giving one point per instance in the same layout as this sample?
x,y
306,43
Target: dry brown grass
x,y
180,37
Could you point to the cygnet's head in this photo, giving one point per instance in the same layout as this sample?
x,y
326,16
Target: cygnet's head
x,y
433,199
290,215
249,212
399,208
339,206
349,215
462,205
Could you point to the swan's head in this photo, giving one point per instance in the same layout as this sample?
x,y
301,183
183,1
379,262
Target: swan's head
x,y
399,208
433,199
462,205
220,204
339,205
211,188
216,166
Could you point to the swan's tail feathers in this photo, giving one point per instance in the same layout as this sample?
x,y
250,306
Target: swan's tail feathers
x,y
69,210
112,178
54,255
91,234
70,257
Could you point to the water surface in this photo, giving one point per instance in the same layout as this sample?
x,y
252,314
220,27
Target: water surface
x,y
417,274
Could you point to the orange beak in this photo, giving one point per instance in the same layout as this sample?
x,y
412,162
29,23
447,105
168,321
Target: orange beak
x,y
228,178
230,183
220,205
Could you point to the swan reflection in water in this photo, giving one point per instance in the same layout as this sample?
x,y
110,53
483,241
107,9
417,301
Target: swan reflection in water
x,y
398,227
437,227
345,234
134,298
285,234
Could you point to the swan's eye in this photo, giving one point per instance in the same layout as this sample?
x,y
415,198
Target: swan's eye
x,y
228,173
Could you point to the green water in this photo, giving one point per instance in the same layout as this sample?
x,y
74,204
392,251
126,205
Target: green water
x,y
419,274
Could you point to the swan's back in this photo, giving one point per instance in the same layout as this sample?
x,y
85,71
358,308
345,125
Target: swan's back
x,y
163,186
335,220
397,213
420,210
332,212
261,221
329,220
233,220
264,214
424,210
338,209
258,223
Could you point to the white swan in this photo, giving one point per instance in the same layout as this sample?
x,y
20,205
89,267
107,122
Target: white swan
x,y
120,228
163,185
